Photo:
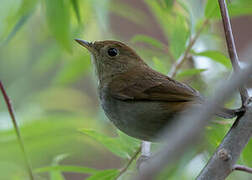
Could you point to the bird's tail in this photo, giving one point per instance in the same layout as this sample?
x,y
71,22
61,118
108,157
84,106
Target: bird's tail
x,y
229,113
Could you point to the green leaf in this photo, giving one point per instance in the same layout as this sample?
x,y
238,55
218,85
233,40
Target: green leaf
x,y
56,175
174,25
129,144
75,4
126,11
178,36
217,57
109,174
185,6
190,72
169,3
58,19
212,9
148,40
61,168
215,133
23,19
160,13
201,22
114,145
240,7
27,6
24,12
246,154
236,8
159,65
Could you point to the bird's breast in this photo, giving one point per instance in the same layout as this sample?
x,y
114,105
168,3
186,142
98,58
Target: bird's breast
x,y
140,119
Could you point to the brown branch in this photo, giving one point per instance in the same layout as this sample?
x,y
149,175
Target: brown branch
x,y
14,122
231,46
221,163
123,170
238,167
177,65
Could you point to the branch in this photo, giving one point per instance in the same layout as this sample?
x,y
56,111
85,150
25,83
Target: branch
x,y
222,162
129,162
231,46
177,142
14,122
177,65
233,143
238,167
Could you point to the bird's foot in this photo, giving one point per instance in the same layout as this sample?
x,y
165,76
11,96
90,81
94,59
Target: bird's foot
x,y
142,161
240,111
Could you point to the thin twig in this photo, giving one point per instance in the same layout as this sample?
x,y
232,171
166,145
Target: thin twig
x,y
238,167
176,66
170,55
14,122
123,170
231,46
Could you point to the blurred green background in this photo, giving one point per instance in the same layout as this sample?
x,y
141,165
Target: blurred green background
x,y
51,82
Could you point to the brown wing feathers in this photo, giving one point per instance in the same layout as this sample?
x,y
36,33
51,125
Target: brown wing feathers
x,y
147,86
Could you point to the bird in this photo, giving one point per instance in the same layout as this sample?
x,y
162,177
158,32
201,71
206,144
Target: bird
x,y
138,100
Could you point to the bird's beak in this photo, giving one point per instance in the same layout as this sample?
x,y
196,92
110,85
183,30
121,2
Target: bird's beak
x,y
86,44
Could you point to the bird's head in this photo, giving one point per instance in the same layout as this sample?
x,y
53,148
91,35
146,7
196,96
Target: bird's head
x,y
112,57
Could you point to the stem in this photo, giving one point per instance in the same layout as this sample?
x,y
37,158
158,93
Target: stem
x,y
176,66
14,122
238,167
171,57
129,162
231,46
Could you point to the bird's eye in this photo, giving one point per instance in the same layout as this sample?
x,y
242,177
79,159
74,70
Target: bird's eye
x,y
112,52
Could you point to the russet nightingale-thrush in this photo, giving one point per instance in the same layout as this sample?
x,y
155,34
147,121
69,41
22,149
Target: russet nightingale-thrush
x,y
137,99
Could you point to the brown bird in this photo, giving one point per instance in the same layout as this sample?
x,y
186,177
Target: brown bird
x,y
137,99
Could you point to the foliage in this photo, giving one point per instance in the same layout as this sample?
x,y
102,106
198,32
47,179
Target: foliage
x,y
50,82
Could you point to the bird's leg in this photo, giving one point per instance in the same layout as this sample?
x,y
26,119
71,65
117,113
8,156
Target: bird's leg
x,y
145,154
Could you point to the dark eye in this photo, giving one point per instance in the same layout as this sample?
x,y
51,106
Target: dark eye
x,y
112,52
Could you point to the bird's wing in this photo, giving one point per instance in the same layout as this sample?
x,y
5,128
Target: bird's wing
x,y
150,85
